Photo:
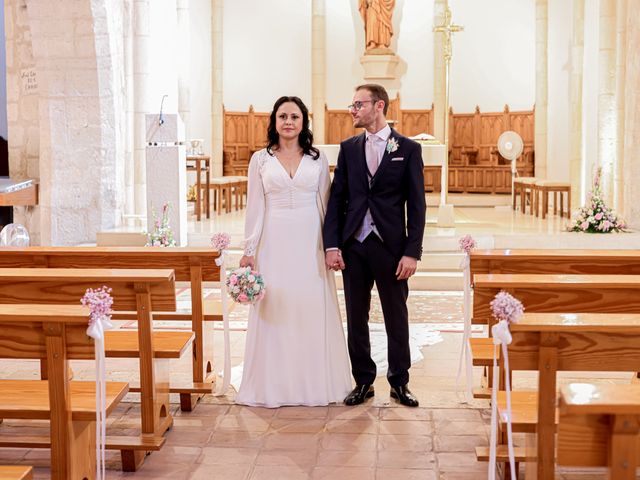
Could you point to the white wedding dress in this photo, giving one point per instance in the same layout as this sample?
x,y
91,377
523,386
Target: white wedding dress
x,y
295,351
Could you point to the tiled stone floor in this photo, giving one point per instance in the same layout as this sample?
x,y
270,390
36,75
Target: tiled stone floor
x,y
220,440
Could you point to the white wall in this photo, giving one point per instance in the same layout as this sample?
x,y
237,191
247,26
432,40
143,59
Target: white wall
x,y
266,52
493,62
494,58
200,71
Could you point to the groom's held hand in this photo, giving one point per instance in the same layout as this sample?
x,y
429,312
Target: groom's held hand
x,y
333,260
406,267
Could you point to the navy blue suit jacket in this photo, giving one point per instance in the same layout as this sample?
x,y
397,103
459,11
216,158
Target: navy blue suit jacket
x,y
395,197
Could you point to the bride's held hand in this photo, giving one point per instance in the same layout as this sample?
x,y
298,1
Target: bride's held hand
x,y
247,261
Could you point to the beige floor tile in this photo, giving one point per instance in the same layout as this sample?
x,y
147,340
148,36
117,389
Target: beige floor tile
x,y
343,473
459,443
406,459
404,413
348,441
297,425
221,438
291,441
336,458
302,412
405,474
261,472
228,456
407,443
306,458
221,472
352,426
448,427
405,427
459,461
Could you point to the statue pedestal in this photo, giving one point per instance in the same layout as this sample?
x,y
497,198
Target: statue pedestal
x,y
381,69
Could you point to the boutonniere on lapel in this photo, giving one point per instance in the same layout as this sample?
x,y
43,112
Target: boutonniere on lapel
x,y
392,145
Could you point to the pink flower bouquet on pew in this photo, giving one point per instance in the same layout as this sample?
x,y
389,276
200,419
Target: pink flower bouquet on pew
x,y
245,285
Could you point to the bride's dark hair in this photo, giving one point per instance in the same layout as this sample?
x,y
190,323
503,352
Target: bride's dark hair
x,y
305,139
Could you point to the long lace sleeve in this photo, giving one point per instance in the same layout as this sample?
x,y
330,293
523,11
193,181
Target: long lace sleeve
x,y
255,206
324,185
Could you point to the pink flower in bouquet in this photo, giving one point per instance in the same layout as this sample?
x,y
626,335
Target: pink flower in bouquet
x,y
506,307
220,241
99,302
467,243
233,280
242,298
599,216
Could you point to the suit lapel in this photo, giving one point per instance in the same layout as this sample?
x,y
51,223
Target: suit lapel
x,y
386,157
362,161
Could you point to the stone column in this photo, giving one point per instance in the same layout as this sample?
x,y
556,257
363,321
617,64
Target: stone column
x,y
575,86
607,98
141,103
439,90
318,69
217,113
540,144
631,156
182,10
73,51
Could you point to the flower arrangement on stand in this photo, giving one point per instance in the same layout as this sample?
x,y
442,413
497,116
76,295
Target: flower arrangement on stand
x,y
162,235
596,216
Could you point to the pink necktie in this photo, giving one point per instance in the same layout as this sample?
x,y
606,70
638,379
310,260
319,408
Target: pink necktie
x,y
372,155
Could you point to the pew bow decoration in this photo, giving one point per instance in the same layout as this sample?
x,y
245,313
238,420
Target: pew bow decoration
x,y
467,243
506,309
99,302
221,241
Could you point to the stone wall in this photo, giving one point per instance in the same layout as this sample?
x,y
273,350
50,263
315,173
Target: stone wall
x,y
66,129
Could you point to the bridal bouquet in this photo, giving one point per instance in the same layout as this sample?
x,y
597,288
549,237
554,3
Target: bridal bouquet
x,y
245,285
596,216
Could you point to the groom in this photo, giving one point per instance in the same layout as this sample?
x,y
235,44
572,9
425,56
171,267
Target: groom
x,y
368,236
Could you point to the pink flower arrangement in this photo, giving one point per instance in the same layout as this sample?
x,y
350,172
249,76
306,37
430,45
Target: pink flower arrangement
x,y
220,241
595,216
506,307
99,302
467,243
245,285
162,235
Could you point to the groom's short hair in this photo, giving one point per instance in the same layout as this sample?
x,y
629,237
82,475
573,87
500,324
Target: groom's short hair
x,y
377,92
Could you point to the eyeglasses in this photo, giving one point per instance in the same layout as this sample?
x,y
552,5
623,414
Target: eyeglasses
x,y
358,105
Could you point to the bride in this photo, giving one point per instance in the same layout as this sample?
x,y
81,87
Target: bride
x,y
295,351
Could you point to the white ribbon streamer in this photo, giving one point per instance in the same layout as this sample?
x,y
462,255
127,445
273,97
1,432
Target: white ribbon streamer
x,y
96,331
226,375
501,336
465,350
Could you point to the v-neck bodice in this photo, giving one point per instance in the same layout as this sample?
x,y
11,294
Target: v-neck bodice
x,y
283,191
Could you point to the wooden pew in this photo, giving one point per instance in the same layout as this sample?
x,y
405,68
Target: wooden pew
x,y
600,426
543,261
141,290
16,472
521,261
550,343
190,264
57,333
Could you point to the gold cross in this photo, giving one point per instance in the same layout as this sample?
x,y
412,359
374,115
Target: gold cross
x,y
447,28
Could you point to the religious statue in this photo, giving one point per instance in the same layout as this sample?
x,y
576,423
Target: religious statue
x,y
377,24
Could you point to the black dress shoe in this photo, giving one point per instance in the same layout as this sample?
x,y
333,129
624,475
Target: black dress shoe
x,y
359,394
404,396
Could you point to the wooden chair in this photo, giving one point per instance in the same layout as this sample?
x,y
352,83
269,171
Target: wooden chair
x,y
144,291
56,333
600,426
190,264
16,472
201,163
543,188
